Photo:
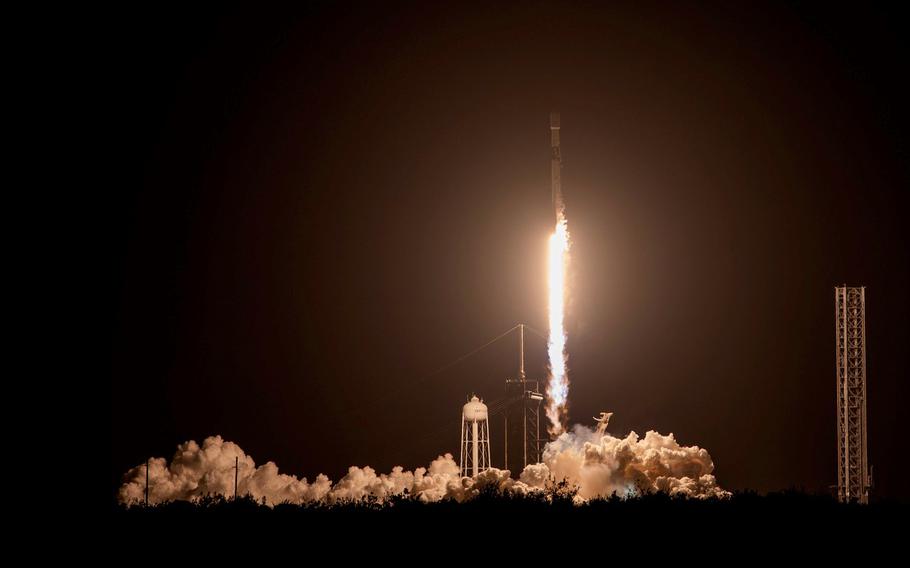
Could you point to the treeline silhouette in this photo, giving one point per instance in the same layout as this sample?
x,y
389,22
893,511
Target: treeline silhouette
x,y
559,499
648,524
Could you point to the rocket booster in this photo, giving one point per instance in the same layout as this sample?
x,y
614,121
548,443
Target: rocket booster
x,y
555,166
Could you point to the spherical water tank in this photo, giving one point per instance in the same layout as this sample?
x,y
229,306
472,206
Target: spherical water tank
x,y
475,411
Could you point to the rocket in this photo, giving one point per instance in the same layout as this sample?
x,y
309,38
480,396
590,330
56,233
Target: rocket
x,y
555,166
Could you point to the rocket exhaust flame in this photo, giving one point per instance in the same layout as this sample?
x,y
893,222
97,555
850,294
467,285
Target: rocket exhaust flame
x,y
558,380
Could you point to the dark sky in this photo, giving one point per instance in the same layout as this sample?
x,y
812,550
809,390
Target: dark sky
x,y
319,207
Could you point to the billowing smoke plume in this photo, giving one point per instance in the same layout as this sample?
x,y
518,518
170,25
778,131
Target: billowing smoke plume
x,y
597,463
601,465
209,469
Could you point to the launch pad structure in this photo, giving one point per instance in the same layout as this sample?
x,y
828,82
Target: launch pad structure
x,y
522,417
853,474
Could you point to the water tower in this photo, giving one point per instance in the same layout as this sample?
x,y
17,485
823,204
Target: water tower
x,y
475,438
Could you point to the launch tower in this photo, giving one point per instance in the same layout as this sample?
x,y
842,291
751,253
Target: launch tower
x,y
853,477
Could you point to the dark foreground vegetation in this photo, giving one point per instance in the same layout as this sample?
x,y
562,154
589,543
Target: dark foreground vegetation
x,y
740,530
743,511
787,528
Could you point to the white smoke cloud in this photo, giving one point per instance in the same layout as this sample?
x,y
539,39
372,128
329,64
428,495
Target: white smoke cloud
x,y
198,470
594,461
601,465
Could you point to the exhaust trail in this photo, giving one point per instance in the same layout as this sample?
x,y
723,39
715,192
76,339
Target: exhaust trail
x,y
557,265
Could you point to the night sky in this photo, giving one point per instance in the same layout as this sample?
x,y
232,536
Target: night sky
x,y
318,208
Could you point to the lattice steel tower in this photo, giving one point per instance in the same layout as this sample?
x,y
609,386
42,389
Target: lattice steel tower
x,y
853,478
522,417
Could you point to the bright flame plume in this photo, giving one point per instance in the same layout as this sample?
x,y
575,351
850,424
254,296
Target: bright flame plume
x,y
558,380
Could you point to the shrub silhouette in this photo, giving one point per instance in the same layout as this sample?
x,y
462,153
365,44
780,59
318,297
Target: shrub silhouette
x,y
745,508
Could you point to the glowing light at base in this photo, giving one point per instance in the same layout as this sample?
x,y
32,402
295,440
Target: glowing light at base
x,y
558,380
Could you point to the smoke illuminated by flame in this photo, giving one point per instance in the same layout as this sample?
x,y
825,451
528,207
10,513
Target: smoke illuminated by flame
x,y
558,381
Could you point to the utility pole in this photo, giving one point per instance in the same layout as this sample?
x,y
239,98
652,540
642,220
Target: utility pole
x,y
147,482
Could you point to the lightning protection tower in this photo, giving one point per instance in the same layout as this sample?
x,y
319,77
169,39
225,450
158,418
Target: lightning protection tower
x,y
522,416
475,438
853,477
